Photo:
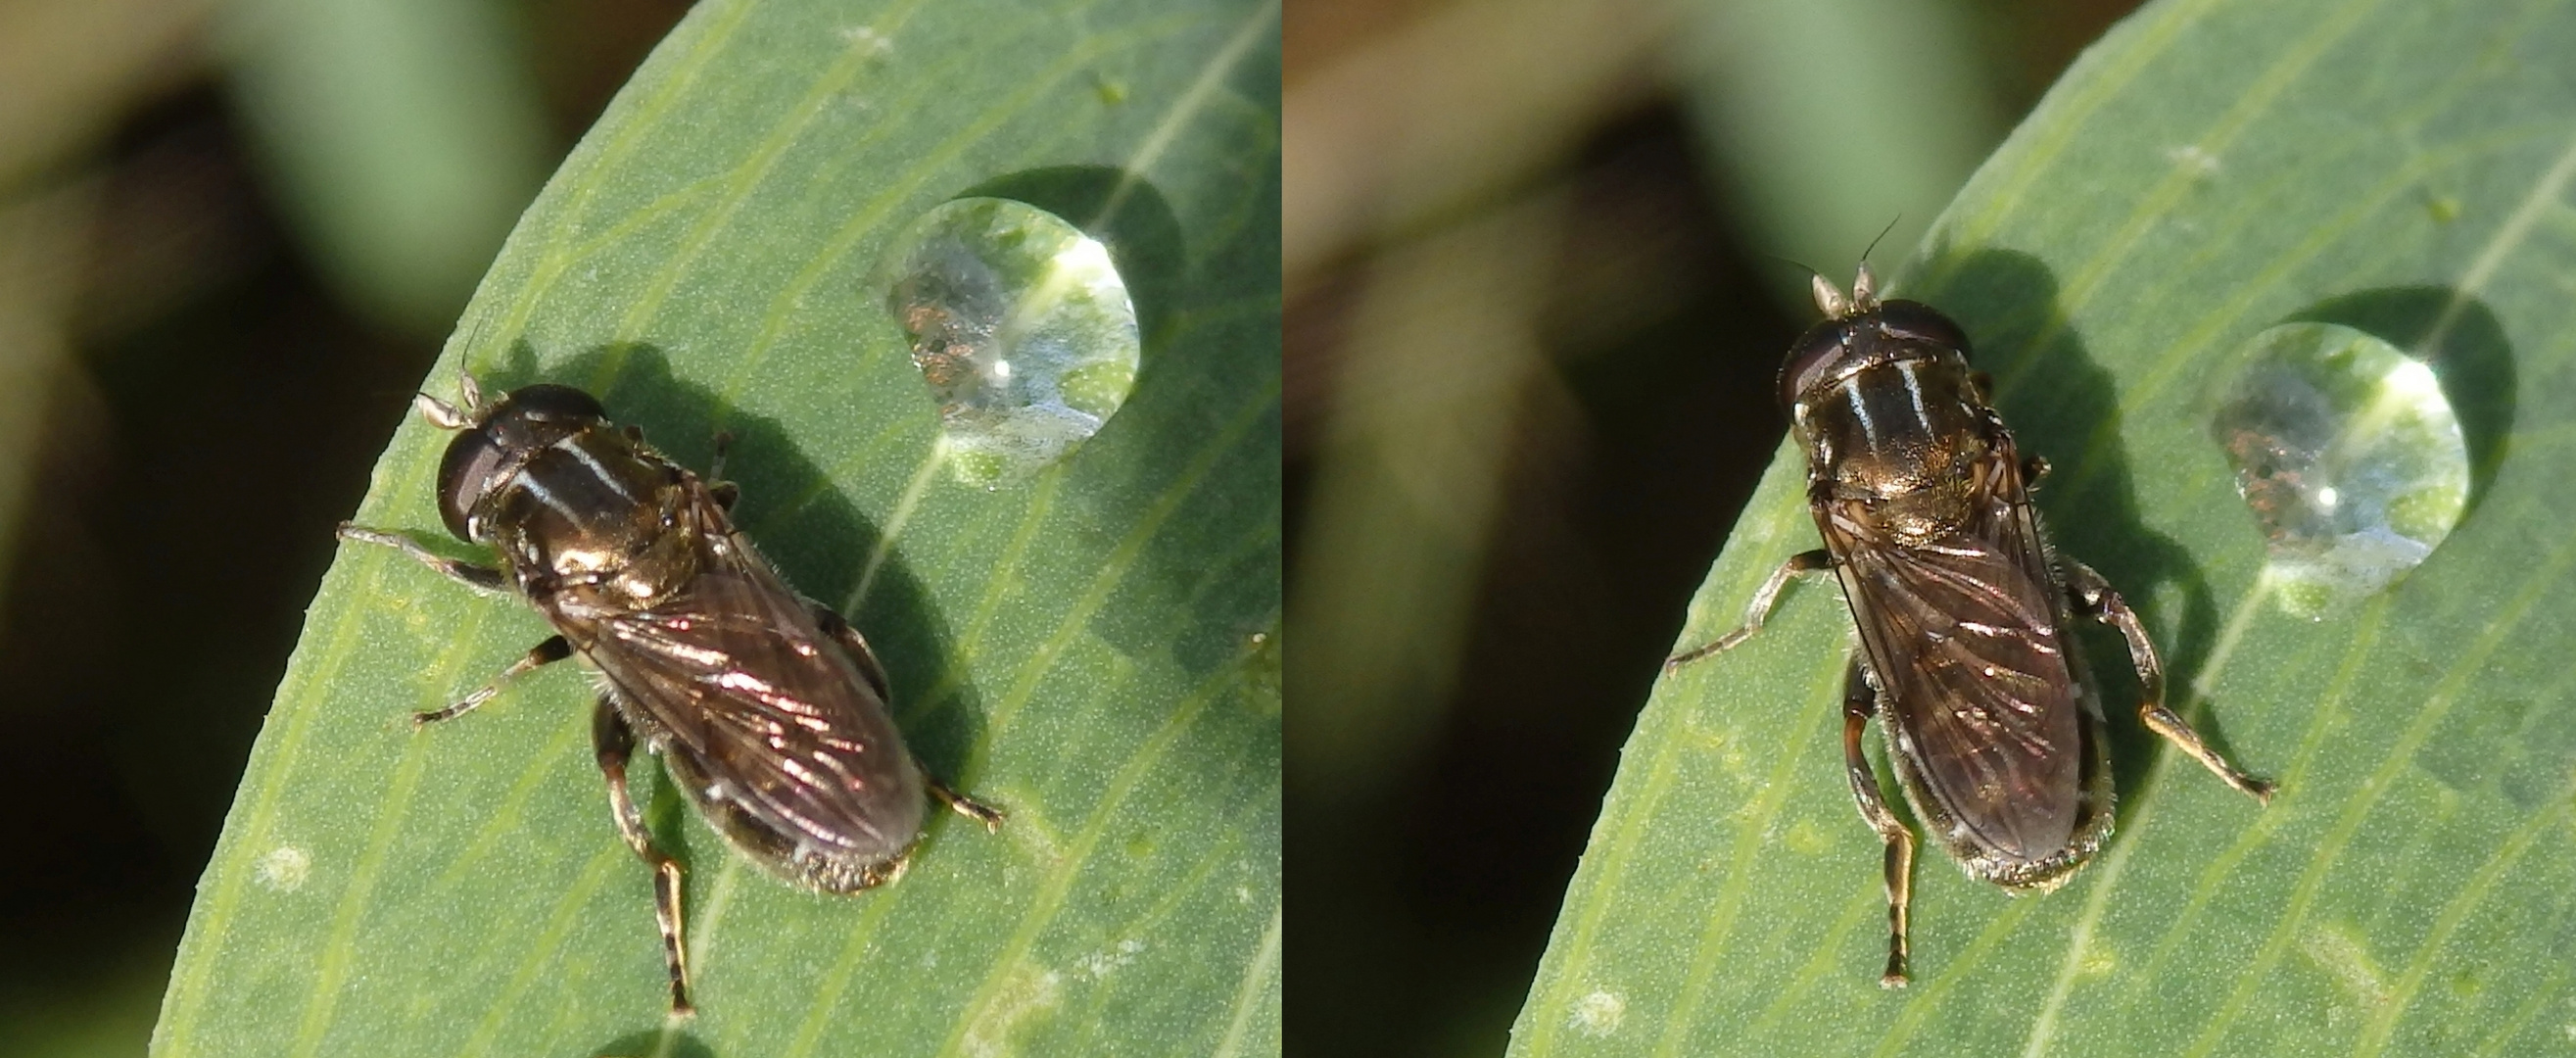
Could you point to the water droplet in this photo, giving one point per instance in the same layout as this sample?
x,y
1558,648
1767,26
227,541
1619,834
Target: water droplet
x,y
1021,325
2349,455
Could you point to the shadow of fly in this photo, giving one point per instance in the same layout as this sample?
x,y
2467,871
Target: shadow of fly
x,y
1994,726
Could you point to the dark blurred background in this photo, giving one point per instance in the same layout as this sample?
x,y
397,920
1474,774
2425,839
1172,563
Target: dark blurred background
x,y
1536,298
232,237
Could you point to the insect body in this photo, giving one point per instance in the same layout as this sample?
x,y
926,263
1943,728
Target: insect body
x,y
769,708
1963,610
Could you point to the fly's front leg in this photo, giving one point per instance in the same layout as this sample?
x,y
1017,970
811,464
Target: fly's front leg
x,y
554,649
2094,597
857,647
615,744
1801,564
479,578
1860,699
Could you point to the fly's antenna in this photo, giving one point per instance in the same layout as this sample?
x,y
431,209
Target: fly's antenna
x,y
1802,265
1882,234
440,413
1829,298
472,393
474,335
1864,292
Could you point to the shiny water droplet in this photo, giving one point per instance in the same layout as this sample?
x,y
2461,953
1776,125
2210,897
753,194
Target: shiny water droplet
x,y
2349,455
1021,325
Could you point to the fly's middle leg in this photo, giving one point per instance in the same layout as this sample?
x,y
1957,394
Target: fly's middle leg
x,y
1860,700
856,645
554,649
2095,598
1801,564
614,742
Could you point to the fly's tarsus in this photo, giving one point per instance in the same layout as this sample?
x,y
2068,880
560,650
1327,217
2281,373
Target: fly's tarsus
x,y
991,817
553,649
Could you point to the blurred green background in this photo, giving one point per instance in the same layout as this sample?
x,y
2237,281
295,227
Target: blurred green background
x,y
1539,269
231,238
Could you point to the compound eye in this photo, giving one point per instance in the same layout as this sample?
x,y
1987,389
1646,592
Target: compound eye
x,y
547,402
464,475
1918,322
1816,354
532,418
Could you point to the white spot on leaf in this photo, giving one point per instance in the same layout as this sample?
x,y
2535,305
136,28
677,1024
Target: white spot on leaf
x,y
1029,991
2193,160
284,868
1098,965
1598,1014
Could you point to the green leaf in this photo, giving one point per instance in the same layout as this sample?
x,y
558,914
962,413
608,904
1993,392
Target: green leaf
x,y
1094,648
2209,170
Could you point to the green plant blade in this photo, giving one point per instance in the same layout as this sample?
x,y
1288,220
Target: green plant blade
x,y
2209,170
1093,647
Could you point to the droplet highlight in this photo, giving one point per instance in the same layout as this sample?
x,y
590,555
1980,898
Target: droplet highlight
x,y
1021,325
2350,457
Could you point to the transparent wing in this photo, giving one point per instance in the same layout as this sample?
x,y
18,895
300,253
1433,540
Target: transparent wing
x,y
1963,634
738,676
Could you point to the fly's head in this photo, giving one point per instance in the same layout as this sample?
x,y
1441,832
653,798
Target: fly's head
x,y
542,475
1860,332
1892,417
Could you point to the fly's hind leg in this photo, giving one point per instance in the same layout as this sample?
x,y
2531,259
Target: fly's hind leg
x,y
2095,598
856,646
1860,699
1801,564
961,804
615,744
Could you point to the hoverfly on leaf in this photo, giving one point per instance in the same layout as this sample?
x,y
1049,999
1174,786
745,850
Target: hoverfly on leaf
x,y
769,709
1964,612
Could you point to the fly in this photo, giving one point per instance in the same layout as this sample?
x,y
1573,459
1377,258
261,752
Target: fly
x,y
769,709
1963,610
